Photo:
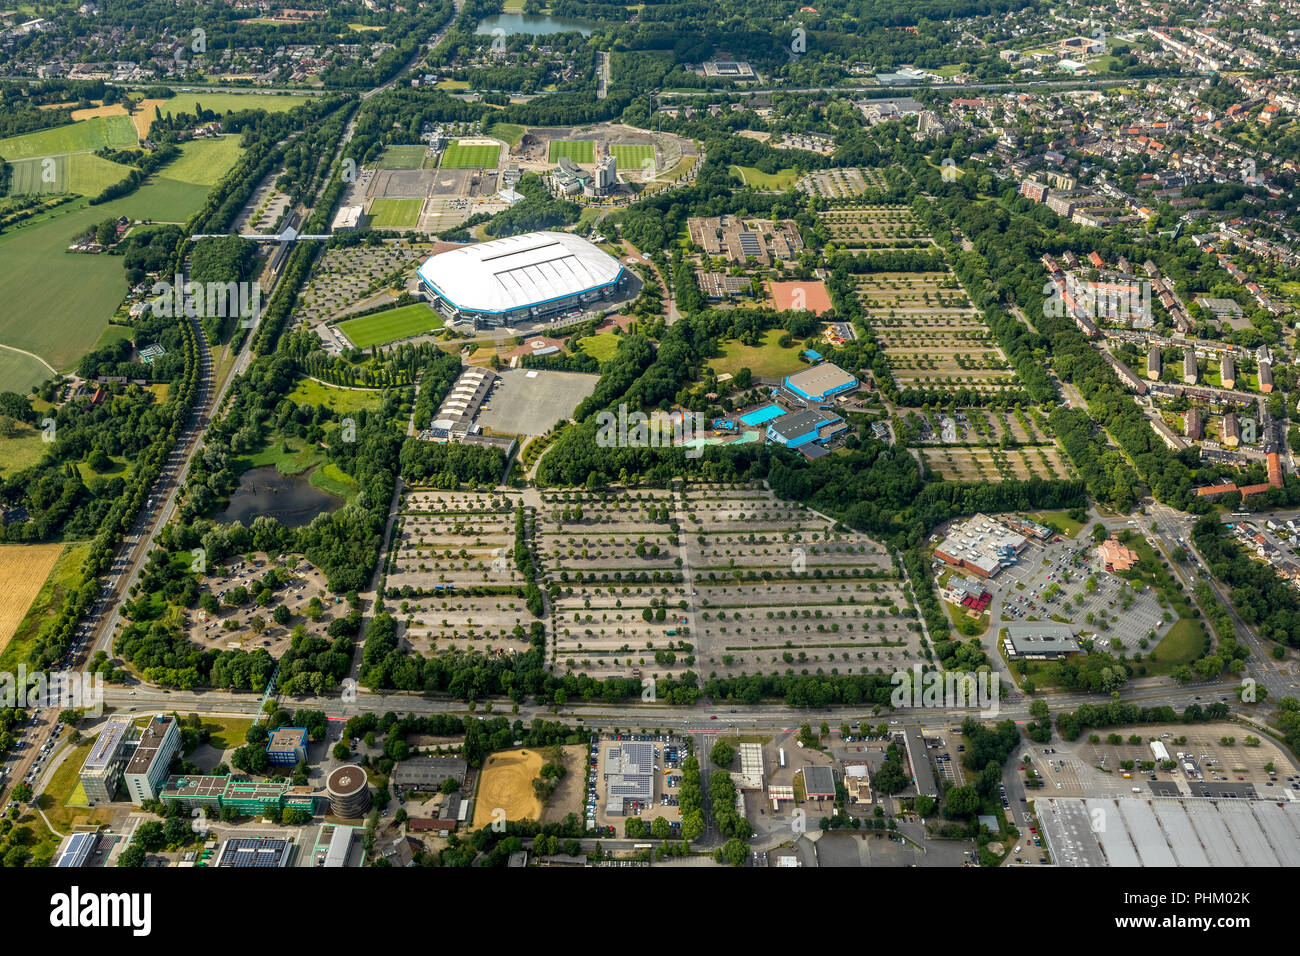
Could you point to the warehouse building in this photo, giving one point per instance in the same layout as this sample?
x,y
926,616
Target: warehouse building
x,y
427,774
918,755
519,278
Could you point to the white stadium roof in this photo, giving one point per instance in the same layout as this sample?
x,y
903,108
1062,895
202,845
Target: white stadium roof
x,y
519,271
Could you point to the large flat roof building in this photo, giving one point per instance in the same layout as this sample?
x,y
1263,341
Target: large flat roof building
x,y
629,774
428,773
147,770
801,427
102,771
518,278
255,853
919,757
1037,640
819,783
981,545
821,382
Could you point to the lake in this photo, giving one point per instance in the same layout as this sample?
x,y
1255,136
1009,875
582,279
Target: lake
x,y
534,25
291,500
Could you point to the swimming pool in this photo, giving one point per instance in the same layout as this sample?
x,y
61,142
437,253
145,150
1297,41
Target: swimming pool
x,y
765,414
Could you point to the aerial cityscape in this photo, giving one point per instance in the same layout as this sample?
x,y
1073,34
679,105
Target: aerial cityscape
x,y
527,434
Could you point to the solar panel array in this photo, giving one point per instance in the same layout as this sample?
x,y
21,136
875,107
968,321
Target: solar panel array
x,y
250,853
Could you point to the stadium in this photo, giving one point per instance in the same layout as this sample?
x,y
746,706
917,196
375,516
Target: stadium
x,y
532,276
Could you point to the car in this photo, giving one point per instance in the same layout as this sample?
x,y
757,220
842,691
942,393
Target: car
x,y
714,717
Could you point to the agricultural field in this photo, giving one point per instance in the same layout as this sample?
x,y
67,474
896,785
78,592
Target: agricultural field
x,y
453,575
997,464
86,136
403,157
582,151
56,569
20,373
395,213
217,102
875,227
630,156
23,570
777,587
203,162
767,360
83,173
841,183
465,155
384,327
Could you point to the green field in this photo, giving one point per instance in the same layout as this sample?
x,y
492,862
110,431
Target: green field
x,y
395,213
24,449
473,156
634,156
203,162
88,135
20,373
341,400
231,102
768,360
384,327
578,150
290,456
512,133
83,173
403,157
332,480
778,181
600,347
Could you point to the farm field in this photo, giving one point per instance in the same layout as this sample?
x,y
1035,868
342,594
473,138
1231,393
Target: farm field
x,y
395,213
203,162
23,570
767,360
633,156
83,173
403,157
384,327
20,373
581,151
217,102
461,155
114,132
61,570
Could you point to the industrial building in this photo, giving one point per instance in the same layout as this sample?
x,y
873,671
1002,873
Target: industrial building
x,y
820,383
919,758
349,795
520,278
819,783
455,416
146,772
107,760
1038,641
1171,832
255,853
287,746
427,774
982,546
629,775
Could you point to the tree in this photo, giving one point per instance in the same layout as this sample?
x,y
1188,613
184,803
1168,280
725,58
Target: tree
x,y
132,856
734,851
924,805
961,802
722,755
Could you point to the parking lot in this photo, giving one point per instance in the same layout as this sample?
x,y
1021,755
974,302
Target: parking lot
x,y
669,752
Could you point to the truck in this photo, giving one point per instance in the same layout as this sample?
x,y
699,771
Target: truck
x,y
780,755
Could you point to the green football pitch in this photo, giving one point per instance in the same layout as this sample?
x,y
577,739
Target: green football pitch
x,y
384,327
472,156
633,157
403,157
578,150
395,213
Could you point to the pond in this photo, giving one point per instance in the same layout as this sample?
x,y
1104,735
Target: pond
x,y
290,499
534,25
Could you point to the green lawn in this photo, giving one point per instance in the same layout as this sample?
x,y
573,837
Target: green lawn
x,y
778,181
471,156
395,213
203,162
88,135
332,479
600,347
512,133
403,157
1060,519
341,400
23,450
578,150
227,732
634,156
1181,645
768,360
384,327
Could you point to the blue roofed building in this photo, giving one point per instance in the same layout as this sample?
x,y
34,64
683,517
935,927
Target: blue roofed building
x,y
800,428
287,746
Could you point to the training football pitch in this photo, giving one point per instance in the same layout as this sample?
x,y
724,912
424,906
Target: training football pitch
x,y
384,327
578,150
471,156
403,157
395,213
633,156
